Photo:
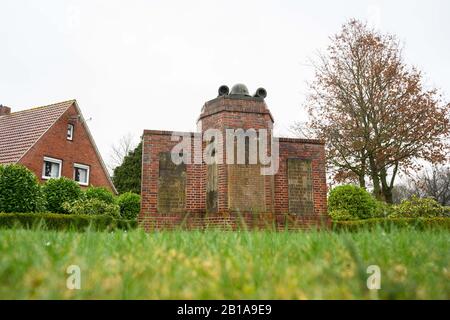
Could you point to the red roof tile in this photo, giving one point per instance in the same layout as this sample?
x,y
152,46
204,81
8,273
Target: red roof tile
x,y
19,131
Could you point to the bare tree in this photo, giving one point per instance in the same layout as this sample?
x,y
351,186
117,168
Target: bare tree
x,y
431,183
403,191
435,183
121,149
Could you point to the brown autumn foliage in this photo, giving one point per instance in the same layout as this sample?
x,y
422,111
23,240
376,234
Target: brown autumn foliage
x,y
374,111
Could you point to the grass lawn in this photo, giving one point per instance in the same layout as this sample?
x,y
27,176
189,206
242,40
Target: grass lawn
x,y
224,265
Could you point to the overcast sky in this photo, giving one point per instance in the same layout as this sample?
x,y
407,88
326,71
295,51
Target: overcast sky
x,y
135,65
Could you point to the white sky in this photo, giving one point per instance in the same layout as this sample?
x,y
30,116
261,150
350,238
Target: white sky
x,y
135,65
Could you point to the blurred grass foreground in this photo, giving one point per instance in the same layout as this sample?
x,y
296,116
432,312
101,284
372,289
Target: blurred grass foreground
x,y
413,264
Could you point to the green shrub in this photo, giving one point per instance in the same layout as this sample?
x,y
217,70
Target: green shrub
x,y
447,211
393,224
419,207
55,221
59,191
355,200
341,215
130,205
92,207
100,193
383,209
19,190
127,176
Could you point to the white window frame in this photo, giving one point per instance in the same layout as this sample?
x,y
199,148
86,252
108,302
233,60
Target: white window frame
x,y
52,160
72,129
85,167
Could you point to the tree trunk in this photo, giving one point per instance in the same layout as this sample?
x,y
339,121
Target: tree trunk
x,y
362,181
388,196
375,179
385,188
362,174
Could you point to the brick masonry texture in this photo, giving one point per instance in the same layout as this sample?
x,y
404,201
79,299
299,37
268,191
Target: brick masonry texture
x,y
234,196
171,184
300,186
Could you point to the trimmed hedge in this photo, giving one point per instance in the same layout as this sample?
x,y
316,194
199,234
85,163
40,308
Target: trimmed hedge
x,y
392,223
57,221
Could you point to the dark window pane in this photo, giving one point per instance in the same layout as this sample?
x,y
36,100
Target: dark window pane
x,y
48,169
77,174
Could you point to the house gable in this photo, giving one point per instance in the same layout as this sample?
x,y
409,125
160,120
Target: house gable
x,y
81,150
19,131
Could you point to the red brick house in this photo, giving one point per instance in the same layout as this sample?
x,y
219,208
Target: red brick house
x,y
194,193
52,141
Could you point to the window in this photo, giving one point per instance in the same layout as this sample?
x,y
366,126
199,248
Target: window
x,y
70,132
81,174
52,168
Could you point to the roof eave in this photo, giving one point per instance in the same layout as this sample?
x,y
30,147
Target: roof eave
x,y
91,139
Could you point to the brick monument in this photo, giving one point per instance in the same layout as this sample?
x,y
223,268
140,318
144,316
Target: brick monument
x,y
232,172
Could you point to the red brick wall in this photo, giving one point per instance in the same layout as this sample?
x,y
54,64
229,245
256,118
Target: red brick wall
x,y
222,113
155,142
54,144
228,112
232,221
308,150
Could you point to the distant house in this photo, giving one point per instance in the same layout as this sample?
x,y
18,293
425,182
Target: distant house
x,y
52,141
